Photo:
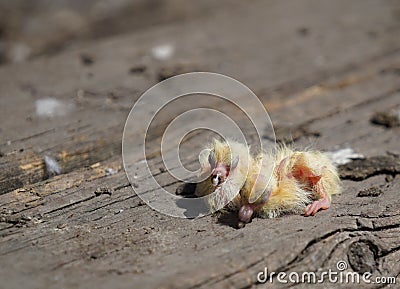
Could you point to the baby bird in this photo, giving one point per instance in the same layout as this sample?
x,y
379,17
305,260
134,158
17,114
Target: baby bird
x,y
224,167
300,182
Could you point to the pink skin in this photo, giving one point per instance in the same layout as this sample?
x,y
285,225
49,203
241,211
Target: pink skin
x,y
321,204
247,210
314,180
219,174
315,206
220,171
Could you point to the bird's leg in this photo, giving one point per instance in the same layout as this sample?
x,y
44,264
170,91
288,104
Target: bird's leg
x,y
324,202
247,210
305,174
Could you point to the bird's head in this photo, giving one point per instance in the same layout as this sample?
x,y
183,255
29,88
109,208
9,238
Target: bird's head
x,y
220,171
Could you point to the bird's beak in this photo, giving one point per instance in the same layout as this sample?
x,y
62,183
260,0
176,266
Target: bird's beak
x,y
215,180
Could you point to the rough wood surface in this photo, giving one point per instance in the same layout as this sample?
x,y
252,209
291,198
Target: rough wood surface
x,y
86,227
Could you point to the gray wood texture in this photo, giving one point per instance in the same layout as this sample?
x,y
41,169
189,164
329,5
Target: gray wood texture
x,y
321,68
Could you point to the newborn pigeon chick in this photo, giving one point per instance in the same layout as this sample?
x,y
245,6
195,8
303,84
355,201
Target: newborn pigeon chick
x,y
224,167
300,182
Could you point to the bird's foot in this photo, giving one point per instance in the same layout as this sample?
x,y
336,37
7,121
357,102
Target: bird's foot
x,y
315,206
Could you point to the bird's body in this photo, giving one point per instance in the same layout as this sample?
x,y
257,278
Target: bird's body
x,y
301,182
289,182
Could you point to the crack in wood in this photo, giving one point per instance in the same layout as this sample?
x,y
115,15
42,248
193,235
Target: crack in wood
x,y
303,253
70,205
362,169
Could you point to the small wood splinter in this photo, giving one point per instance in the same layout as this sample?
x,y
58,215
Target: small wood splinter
x,y
291,182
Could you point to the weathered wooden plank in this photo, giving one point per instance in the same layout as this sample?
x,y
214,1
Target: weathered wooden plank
x,y
91,144
83,231
112,218
68,230
108,86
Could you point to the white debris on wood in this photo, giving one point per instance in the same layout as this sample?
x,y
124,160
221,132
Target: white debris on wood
x,y
52,167
110,171
343,156
141,162
50,107
163,52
